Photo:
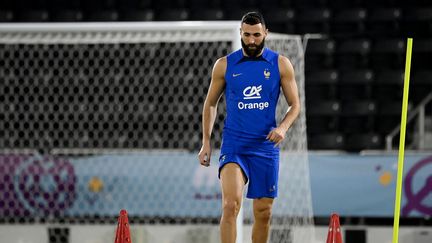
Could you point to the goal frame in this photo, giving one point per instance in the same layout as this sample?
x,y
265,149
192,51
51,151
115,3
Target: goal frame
x,y
114,32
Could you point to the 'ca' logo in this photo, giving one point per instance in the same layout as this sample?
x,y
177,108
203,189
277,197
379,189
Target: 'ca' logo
x,y
252,92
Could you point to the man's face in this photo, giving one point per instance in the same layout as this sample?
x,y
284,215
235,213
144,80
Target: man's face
x,y
252,38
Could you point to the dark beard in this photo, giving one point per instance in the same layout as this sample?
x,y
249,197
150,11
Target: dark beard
x,y
252,52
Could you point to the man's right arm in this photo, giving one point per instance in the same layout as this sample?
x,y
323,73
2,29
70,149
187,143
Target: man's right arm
x,y
217,86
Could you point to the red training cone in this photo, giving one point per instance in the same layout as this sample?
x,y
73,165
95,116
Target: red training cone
x,y
334,234
122,233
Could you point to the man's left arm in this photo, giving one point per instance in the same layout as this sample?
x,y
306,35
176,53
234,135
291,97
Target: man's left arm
x,y
290,91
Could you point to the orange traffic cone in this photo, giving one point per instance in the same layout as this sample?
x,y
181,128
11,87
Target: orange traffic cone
x,y
122,233
334,234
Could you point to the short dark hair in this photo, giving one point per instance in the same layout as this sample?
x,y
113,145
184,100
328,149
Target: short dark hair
x,y
253,18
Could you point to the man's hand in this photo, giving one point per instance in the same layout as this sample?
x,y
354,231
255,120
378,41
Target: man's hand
x,y
205,154
277,135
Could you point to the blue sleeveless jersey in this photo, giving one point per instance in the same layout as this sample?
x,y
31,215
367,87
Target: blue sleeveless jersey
x,y
251,93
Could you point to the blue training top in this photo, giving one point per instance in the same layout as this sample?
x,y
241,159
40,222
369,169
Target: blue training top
x,y
251,92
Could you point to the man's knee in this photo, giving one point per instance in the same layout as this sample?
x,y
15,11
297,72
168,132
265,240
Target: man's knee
x,y
231,207
263,213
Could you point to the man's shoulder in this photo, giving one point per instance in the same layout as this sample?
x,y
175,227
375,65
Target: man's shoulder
x,y
220,66
283,59
221,61
235,56
285,66
271,56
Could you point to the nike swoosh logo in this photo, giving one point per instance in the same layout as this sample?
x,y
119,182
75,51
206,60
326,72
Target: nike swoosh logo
x,y
237,74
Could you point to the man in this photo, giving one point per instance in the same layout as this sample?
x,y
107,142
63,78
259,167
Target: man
x,y
251,78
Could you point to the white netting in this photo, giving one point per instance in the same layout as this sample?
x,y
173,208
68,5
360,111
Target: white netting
x,y
92,121
294,202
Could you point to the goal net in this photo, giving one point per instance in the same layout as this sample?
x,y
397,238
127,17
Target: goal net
x,y
97,117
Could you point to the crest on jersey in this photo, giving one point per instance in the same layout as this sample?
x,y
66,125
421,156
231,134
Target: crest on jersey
x,y
266,73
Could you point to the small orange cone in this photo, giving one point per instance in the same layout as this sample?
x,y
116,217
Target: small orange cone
x,y
123,233
334,234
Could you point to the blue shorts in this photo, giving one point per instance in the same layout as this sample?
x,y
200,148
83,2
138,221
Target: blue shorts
x,y
261,172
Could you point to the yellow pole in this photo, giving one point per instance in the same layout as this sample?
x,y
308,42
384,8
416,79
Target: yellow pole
x,y
402,143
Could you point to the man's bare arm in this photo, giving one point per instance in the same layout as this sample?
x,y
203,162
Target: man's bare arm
x,y
217,86
290,91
